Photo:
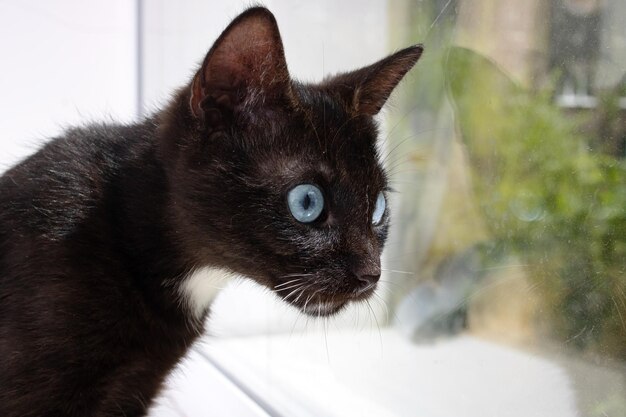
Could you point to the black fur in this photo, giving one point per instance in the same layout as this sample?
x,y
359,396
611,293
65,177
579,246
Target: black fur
x,y
99,227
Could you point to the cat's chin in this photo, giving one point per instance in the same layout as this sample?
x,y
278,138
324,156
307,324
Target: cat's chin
x,y
324,305
323,308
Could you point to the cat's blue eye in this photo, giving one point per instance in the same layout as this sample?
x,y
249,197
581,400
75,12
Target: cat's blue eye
x,y
306,202
379,209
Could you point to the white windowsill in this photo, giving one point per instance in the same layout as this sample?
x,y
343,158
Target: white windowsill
x,y
359,373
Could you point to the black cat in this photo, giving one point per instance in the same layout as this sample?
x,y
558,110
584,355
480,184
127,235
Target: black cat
x,y
113,238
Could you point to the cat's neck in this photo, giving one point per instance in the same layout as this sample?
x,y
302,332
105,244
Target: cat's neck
x,y
143,232
169,273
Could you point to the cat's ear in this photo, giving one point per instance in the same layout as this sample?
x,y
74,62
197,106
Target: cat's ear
x,y
245,64
366,90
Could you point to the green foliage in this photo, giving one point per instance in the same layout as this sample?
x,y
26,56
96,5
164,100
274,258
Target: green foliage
x,y
548,198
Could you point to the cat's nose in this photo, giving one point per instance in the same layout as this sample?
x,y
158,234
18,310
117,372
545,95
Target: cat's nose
x,y
368,275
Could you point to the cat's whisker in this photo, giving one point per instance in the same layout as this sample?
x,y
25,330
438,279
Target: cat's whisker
x,y
382,301
309,298
402,287
402,256
339,130
401,160
288,282
380,336
297,284
402,182
299,274
296,274
437,18
397,145
326,339
302,292
413,135
388,135
317,136
295,323
405,171
367,288
398,271
397,162
292,292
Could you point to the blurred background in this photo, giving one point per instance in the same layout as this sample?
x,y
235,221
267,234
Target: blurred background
x,y
504,291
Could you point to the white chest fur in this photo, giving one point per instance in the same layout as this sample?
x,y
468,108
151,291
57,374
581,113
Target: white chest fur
x,y
200,287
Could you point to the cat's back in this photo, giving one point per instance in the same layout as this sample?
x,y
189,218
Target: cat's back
x,y
51,191
44,198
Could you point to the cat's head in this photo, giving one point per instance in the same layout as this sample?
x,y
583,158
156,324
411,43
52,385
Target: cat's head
x,y
277,180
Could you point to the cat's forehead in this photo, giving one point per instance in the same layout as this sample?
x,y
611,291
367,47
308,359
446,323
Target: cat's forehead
x,y
319,140
333,123
329,173
324,154
322,106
